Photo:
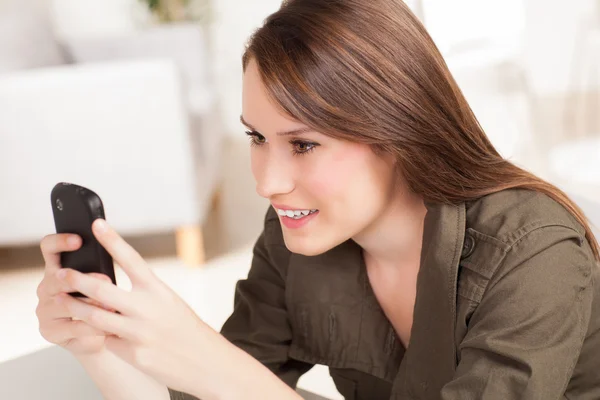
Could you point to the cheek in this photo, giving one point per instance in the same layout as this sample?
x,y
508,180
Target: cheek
x,y
325,183
335,179
256,163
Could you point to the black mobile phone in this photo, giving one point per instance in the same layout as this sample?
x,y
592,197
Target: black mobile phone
x,y
75,208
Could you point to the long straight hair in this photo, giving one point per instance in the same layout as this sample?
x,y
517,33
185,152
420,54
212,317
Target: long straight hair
x,y
368,72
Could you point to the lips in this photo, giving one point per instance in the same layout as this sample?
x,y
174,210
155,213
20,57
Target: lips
x,y
288,207
297,214
293,223
290,211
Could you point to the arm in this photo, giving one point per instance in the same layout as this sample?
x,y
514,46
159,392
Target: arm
x,y
525,336
118,380
194,359
259,324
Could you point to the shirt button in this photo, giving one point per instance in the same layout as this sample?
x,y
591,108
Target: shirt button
x,y
468,246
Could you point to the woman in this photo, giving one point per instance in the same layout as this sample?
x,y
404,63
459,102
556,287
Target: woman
x,y
401,249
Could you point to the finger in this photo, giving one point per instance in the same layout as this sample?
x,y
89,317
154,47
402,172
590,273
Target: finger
x,y
111,323
95,302
61,330
105,293
77,329
52,245
50,308
100,276
52,285
130,261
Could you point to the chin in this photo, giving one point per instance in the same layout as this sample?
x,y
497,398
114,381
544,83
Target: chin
x,y
307,246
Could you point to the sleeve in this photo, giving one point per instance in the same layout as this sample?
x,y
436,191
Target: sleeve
x,y
259,323
525,336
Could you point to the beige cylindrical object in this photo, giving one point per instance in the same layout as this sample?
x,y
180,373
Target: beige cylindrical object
x,y
190,245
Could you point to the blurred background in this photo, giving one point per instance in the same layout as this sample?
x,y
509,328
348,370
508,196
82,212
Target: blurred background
x,y
139,101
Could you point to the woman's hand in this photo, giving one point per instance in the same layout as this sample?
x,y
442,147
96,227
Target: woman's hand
x,y
154,329
55,323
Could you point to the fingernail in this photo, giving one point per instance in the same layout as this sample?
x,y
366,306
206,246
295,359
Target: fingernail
x,y
72,240
100,225
61,274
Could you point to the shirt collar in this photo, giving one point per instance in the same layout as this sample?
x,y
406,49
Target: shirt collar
x,y
430,359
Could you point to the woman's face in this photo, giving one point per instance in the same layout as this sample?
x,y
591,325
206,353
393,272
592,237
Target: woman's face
x,y
345,182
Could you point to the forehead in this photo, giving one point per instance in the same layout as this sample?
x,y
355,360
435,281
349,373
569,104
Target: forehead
x,y
257,107
251,79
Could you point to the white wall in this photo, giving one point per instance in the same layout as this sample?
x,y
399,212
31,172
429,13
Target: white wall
x,y
465,23
235,21
551,34
26,36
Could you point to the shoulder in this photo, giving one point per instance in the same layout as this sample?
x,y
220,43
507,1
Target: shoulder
x,y
518,227
510,214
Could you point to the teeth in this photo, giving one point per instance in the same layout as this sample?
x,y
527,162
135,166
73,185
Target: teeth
x,y
295,213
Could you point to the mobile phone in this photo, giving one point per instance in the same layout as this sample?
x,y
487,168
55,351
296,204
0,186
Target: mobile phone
x,y
75,208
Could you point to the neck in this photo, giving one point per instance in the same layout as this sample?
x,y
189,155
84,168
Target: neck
x,y
395,238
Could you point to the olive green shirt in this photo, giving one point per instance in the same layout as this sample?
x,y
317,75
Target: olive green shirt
x,y
507,307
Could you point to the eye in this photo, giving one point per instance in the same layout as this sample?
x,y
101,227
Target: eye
x,y
256,139
301,147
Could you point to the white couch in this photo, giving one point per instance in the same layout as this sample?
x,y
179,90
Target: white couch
x,y
118,127
133,119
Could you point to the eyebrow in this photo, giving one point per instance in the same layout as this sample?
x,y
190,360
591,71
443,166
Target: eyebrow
x,y
299,131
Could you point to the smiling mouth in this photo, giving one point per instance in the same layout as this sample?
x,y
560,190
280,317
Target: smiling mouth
x,y
298,214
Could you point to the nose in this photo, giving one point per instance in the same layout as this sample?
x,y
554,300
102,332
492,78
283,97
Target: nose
x,y
273,176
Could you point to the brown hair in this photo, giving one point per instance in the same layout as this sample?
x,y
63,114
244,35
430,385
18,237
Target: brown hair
x,y
368,72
